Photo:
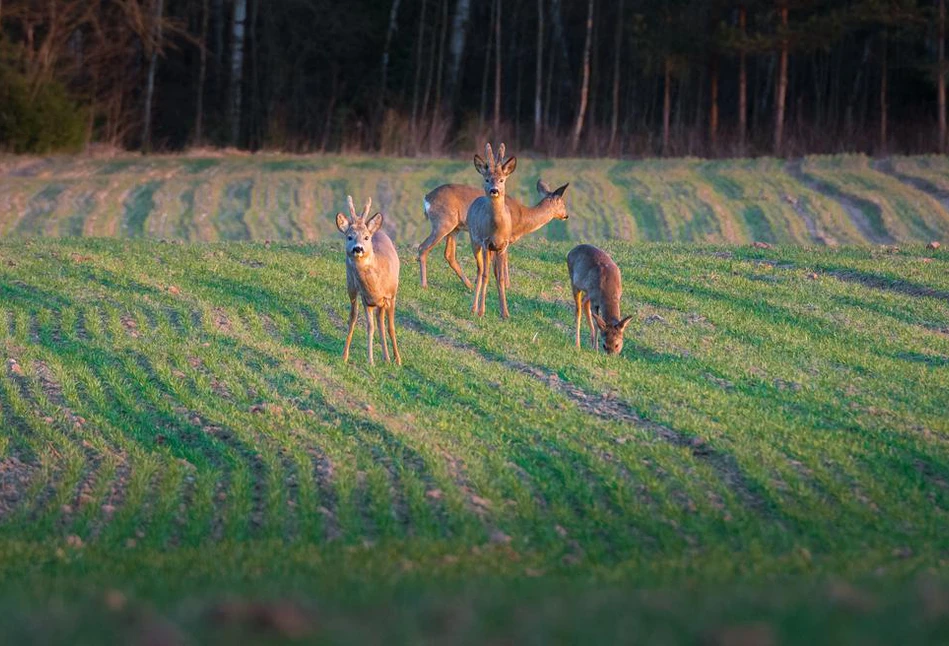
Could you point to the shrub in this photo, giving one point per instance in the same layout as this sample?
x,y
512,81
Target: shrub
x,y
41,121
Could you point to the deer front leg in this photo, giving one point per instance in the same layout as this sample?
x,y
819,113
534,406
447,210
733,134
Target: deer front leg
x,y
395,345
502,285
382,332
507,272
593,329
451,246
578,301
479,262
370,328
353,314
486,281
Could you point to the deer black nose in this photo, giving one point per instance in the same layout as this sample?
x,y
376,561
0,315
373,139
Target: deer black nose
x,y
494,192
357,249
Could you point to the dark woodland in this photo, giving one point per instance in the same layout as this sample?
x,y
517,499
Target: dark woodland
x,y
624,78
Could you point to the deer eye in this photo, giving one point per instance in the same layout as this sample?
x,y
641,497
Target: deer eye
x,y
366,238
349,237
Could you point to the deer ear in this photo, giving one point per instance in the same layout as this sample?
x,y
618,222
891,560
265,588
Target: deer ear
x,y
508,167
560,191
374,223
480,165
543,187
600,323
622,324
341,222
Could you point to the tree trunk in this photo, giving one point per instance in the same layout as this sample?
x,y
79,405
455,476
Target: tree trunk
x,y
418,73
202,75
539,78
742,83
439,73
237,68
617,59
393,24
713,107
782,87
483,110
584,82
255,118
941,75
562,45
497,70
666,104
459,33
217,10
884,71
152,49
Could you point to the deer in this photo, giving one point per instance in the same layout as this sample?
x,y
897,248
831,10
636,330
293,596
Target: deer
x,y
489,225
372,273
446,209
597,290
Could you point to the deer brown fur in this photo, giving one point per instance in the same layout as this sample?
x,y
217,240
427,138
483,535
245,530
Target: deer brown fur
x,y
372,273
597,290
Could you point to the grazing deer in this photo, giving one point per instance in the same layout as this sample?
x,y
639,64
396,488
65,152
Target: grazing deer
x,y
597,289
372,272
489,224
446,209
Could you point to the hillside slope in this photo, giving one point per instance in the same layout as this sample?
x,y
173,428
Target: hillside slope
x,y
822,200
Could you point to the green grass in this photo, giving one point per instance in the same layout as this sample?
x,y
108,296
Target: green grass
x,y
819,200
767,459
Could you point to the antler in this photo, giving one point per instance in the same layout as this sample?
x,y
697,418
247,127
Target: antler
x,y
352,207
365,211
500,158
489,157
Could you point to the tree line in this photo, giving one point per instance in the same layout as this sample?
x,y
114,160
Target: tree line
x,y
409,77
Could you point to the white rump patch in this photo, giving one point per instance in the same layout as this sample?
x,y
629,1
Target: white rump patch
x,y
427,206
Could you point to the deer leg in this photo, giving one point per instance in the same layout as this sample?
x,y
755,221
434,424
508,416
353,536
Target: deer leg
x,y
433,239
370,328
382,332
593,329
489,260
395,345
507,272
502,285
479,261
451,246
578,300
353,315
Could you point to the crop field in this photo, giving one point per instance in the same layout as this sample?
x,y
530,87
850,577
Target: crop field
x,y
818,200
184,458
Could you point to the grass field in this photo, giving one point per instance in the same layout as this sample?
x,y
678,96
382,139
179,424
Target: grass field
x,y
818,200
186,459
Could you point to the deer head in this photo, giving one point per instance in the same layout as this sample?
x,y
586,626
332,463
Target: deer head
x,y
612,333
555,198
494,170
358,230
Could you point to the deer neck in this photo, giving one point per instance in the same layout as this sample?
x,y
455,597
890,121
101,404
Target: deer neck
x,y
527,219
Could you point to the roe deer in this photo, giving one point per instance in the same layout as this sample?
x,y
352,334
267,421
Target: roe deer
x,y
372,272
446,209
597,289
489,224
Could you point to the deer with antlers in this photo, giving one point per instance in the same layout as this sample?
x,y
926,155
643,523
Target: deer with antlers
x,y
446,209
597,289
372,272
489,225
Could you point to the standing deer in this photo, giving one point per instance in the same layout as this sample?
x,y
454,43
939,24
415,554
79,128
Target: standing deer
x,y
446,209
372,272
489,224
597,289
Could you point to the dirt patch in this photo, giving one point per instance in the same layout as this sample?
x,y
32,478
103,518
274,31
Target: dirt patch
x,y
886,166
15,478
850,204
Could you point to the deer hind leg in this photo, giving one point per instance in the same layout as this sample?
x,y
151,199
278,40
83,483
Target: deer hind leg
x,y
578,300
382,332
353,315
593,329
370,328
395,345
479,261
423,249
451,246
